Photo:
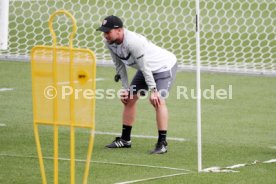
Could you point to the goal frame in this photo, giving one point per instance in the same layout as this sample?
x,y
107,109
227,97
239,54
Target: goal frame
x,y
4,22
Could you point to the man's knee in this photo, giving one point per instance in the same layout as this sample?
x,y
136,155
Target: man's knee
x,y
161,105
132,100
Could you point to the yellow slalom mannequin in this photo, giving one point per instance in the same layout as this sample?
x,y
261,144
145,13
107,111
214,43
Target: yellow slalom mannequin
x,y
59,74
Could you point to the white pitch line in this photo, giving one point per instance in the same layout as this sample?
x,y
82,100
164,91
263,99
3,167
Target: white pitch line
x,y
6,89
270,161
100,162
100,79
228,168
236,166
75,82
2,125
141,165
217,170
153,178
143,136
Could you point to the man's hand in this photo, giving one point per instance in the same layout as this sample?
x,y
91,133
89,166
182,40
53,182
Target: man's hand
x,y
155,98
124,95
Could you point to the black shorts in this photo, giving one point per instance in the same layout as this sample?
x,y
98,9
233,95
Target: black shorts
x,y
163,80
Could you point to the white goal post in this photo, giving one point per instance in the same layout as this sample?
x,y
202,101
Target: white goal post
x,y
4,22
198,88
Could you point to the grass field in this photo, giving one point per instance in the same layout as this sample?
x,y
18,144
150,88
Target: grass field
x,y
235,131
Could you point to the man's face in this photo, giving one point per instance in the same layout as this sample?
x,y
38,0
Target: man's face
x,y
112,36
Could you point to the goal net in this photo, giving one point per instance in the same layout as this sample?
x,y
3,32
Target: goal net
x,y
236,36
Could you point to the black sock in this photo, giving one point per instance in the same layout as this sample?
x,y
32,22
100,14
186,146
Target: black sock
x,y
162,134
126,131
